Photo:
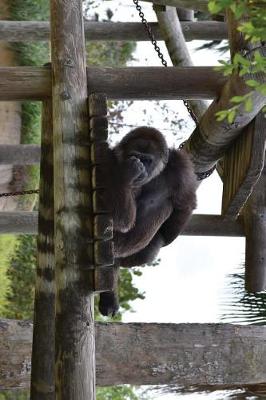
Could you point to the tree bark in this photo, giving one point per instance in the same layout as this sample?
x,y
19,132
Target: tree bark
x,y
175,42
22,31
32,83
20,154
199,355
43,350
190,4
199,225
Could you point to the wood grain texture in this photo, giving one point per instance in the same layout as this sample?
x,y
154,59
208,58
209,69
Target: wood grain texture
x,y
32,83
242,169
199,225
175,43
103,224
208,355
190,4
254,214
22,31
18,222
244,161
211,138
43,348
74,337
242,166
20,154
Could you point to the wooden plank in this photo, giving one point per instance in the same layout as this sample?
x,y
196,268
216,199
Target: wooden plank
x,y
248,157
242,166
213,225
32,83
212,356
74,336
191,4
21,31
171,83
42,377
244,161
104,278
18,222
19,154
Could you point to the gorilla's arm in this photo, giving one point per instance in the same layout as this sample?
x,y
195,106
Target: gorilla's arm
x,y
121,196
144,256
175,224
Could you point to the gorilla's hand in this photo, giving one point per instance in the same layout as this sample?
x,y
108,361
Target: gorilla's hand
x,y
135,171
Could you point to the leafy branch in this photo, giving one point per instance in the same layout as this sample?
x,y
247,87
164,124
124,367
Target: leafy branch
x,y
253,27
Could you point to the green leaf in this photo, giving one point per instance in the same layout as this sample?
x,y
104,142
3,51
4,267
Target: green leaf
x,y
248,105
231,116
238,59
213,7
221,115
252,83
237,99
262,89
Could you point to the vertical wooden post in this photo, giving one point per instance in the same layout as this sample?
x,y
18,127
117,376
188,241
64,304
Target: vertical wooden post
x,y
42,371
255,228
74,333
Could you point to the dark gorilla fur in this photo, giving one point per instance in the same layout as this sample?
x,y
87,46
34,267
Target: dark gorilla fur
x,y
151,194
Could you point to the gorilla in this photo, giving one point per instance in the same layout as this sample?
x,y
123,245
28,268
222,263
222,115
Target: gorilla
x,y
151,192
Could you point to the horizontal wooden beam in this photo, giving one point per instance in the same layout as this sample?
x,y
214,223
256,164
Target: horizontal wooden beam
x,y
22,31
130,83
191,4
20,154
208,355
213,225
18,222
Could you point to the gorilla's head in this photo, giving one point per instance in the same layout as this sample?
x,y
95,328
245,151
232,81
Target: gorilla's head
x,y
149,146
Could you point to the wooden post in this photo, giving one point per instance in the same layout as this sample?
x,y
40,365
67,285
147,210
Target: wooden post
x,y
184,14
42,376
18,222
22,31
255,229
135,83
74,337
175,42
250,155
211,356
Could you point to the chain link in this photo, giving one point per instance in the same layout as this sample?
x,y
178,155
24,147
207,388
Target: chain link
x,y
200,175
21,193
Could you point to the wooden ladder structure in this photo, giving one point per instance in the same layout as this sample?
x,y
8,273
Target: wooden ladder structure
x,y
74,245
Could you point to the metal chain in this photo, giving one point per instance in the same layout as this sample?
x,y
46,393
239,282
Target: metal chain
x,y
21,193
158,50
200,175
